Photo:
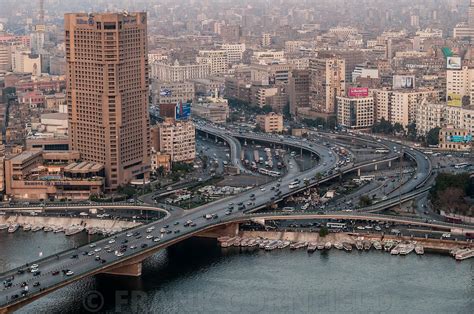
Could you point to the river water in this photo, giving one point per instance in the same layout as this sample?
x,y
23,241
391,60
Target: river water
x,y
196,276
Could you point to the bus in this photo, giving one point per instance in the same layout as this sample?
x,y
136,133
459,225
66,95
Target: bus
x,y
336,225
367,178
462,165
270,173
382,151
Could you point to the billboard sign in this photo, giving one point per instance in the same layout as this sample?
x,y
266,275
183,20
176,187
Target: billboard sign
x,y
165,92
403,81
454,100
358,92
459,138
183,111
453,63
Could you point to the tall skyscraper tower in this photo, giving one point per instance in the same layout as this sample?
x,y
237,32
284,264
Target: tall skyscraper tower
x,y
107,84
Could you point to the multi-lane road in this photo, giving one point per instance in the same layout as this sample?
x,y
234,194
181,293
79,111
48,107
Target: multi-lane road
x,y
108,253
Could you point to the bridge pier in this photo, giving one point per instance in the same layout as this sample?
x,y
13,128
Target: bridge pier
x,y
131,270
390,164
358,172
230,230
376,167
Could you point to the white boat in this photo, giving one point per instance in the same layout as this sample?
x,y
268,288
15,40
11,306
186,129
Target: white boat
x,y
347,246
271,246
338,245
48,229
4,226
27,227
359,245
394,251
465,254
377,245
419,249
58,229
298,245
283,244
312,247
13,228
328,245
73,230
36,228
406,249
388,245
244,242
320,246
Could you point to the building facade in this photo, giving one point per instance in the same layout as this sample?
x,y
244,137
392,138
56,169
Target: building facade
x,y
177,72
107,92
327,81
175,138
217,60
270,123
355,112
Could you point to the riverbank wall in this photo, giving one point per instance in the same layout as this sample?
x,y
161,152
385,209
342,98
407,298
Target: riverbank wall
x,y
430,245
66,222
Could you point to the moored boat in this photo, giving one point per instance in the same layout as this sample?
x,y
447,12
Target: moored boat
x,y
419,249
367,245
338,245
464,254
347,246
312,247
328,245
377,245
36,228
4,226
359,245
13,228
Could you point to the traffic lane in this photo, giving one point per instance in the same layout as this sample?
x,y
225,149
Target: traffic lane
x,y
262,198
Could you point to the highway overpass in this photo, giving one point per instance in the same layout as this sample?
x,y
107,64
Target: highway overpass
x,y
130,262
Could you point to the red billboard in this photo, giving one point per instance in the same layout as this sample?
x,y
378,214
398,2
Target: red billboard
x,y
358,92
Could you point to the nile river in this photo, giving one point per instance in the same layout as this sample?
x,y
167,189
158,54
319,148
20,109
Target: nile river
x,y
199,277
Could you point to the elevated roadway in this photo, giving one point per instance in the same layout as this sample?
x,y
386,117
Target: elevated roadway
x,y
129,262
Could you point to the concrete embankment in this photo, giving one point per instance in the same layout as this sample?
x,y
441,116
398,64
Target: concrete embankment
x,y
66,222
297,236
430,245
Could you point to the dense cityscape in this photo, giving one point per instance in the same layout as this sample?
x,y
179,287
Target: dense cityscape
x,y
226,156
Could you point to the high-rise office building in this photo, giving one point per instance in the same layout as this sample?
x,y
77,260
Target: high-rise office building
x,y
327,81
107,92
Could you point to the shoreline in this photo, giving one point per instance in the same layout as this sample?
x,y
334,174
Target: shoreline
x,y
311,241
62,224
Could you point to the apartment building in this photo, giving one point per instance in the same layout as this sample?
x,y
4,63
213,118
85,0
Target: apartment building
x,y
270,123
235,52
218,60
178,73
175,138
355,112
327,81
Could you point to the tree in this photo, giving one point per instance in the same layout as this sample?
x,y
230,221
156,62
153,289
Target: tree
x,y
432,138
364,201
411,131
160,170
286,111
323,231
267,109
398,128
383,127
